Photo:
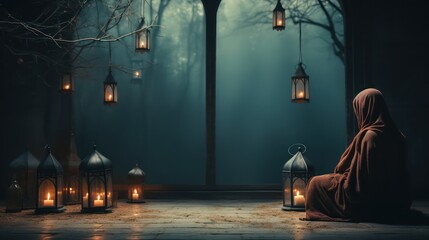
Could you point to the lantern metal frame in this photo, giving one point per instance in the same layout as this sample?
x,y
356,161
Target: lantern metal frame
x,y
14,198
279,19
142,37
295,169
66,82
95,169
136,178
49,172
300,82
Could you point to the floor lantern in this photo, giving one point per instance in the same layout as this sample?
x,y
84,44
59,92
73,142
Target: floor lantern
x,y
49,185
297,172
24,168
135,188
96,183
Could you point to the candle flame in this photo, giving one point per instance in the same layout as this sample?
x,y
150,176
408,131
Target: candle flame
x,y
98,197
137,73
297,193
135,190
49,196
280,22
71,189
67,87
87,194
110,97
301,94
142,44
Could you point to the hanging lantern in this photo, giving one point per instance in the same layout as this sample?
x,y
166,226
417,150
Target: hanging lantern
x,y
300,81
135,185
24,168
137,74
300,86
66,82
14,198
142,38
279,21
96,183
297,172
49,185
110,89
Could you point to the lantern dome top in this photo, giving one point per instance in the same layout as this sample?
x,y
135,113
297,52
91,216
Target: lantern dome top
x,y
25,161
109,78
278,7
298,163
50,165
300,71
136,172
96,162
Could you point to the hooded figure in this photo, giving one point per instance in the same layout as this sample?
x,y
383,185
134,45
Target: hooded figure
x,y
370,182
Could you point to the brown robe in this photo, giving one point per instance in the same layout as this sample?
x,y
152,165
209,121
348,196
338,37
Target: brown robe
x,y
370,181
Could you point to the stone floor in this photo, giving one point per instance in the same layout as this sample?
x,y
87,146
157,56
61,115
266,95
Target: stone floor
x,y
197,219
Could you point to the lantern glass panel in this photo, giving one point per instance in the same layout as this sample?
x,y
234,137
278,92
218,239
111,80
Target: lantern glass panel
x,y
299,190
66,82
286,191
110,93
60,193
109,190
97,193
47,194
71,190
85,195
135,192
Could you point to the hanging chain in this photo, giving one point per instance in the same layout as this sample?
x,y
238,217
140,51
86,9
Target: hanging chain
x,y
300,50
110,57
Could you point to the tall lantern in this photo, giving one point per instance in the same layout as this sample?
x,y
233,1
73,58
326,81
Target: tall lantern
x,y
279,21
135,185
24,167
96,183
49,185
300,81
297,172
67,82
142,38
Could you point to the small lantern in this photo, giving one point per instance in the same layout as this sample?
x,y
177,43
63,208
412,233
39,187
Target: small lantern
x,y
110,89
69,159
49,185
24,167
96,183
66,82
142,38
137,74
297,172
135,188
279,17
300,86
14,198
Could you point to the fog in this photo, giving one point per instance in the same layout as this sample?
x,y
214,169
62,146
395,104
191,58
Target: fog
x,y
159,120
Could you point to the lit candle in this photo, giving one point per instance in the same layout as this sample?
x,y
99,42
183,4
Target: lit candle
x,y
137,73
48,202
280,22
135,195
142,44
98,202
72,191
299,200
110,97
67,87
301,95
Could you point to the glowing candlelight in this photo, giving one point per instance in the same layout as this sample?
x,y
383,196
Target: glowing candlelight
x,y
135,195
279,22
48,202
110,97
299,200
98,202
142,44
137,74
67,87
85,198
301,95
